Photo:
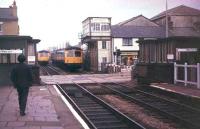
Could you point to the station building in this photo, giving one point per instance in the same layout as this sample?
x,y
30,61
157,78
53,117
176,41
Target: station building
x,y
12,44
180,43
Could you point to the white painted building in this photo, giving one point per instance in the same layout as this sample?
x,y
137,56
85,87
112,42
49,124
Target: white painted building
x,y
124,37
128,49
97,36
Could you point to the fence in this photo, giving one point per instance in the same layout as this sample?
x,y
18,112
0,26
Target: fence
x,y
185,71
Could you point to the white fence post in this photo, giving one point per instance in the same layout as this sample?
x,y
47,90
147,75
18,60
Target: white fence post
x,y
198,75
185,76
175,73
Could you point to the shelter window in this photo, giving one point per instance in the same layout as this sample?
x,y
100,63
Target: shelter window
x,y
9,56
127,42
1,26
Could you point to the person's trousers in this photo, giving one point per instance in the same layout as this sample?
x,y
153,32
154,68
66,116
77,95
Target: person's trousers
x,y
22,97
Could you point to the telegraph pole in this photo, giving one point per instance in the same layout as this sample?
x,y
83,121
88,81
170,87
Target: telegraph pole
x,y
166,13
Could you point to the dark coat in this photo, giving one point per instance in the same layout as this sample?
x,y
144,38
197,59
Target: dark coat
x,y
21,75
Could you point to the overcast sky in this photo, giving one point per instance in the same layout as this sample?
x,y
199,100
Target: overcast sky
x,y
55,22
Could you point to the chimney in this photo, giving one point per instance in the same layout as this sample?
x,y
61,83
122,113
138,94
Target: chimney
x,y
14,9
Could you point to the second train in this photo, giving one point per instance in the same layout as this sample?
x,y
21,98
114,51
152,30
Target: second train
x,y
70,58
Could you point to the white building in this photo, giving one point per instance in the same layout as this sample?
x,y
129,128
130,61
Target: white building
x,y
97,36
124,37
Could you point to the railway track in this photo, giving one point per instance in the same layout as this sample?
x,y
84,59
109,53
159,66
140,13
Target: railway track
x,y
186,100
186,116
97,113
50,70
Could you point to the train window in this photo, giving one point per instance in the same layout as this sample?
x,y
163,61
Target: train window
x,y
77,53
70,54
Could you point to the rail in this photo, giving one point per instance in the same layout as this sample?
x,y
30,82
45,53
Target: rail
x,y
185,79
97,113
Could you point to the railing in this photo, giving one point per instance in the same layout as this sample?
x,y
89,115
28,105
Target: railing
x,y
113,68
195,73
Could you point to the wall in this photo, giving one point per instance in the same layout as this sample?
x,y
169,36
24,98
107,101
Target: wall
x,y
118,44
184,21
103,53
154,72
180,21
10,28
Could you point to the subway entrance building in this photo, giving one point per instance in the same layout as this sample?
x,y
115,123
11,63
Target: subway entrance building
x,y
10,47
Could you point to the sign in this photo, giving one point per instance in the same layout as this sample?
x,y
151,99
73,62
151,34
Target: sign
x,y
31,59
186,49
170,56
3,51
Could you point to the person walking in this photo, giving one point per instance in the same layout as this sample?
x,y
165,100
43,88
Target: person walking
x,y
22,79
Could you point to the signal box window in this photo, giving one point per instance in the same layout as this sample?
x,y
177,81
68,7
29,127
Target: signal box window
x,y
103,44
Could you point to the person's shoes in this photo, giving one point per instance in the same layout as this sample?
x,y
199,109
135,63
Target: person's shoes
x,y
22,113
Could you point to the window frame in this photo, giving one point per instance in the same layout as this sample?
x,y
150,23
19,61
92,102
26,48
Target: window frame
x,y
104,45
127,42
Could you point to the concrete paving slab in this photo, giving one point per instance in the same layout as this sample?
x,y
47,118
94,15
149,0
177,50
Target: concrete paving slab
x,y
87,78
45,110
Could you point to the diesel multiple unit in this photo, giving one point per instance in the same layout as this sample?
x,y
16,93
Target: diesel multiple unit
x,y
69,58
43,57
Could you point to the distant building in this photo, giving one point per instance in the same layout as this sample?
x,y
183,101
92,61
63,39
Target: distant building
x,y
183,32
12,44
124,37
97,36
9,20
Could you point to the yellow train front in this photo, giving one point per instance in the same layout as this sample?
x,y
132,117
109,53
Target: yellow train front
x,y
43,57
70,58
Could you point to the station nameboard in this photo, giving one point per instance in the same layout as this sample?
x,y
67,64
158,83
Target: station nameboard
x,y
187,49
3,51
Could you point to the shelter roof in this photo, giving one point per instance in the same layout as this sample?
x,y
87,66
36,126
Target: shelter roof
x,y
181,10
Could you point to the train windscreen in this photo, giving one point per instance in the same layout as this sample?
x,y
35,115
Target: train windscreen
x,y
77,53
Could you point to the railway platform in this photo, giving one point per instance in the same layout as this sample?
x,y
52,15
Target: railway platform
x,y
178,89
45,110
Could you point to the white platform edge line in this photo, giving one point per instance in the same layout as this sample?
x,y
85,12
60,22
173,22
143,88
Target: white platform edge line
x,y
76,115
175,91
